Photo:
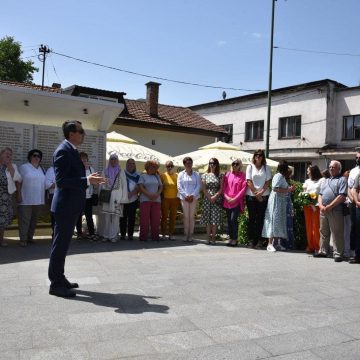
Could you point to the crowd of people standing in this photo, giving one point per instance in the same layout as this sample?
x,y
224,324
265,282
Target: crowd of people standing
x,y
159,196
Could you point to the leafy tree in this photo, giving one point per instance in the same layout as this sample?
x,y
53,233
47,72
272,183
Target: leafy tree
x,y
12,67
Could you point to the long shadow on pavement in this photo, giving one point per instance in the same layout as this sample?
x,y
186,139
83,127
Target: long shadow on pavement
x,y
125,303
41,249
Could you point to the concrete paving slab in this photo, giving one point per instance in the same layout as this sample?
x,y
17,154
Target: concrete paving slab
x,y
172,300
346,351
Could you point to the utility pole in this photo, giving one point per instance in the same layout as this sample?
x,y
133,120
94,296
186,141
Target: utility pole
x,y
270,81
44,50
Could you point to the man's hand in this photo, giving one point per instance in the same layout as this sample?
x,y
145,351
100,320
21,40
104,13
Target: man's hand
x,y
96,179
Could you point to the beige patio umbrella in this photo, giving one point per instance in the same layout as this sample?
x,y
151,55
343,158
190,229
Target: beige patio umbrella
x,y
126,148
225,153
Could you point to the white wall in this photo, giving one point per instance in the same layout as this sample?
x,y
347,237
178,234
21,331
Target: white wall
x,y
347,103
310,105
170,143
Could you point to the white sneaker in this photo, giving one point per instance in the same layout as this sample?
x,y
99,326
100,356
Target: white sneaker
x,y
271,248
113,240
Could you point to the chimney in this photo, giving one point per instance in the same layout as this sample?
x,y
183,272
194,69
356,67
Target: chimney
x,y
152,98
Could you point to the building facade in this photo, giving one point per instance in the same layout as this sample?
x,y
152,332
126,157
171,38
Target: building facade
x,y
310,123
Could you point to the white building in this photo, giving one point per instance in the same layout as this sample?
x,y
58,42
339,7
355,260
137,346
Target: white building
x,y
31,117
310,123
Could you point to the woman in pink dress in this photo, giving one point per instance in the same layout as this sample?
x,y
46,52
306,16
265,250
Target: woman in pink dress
x,y
234,195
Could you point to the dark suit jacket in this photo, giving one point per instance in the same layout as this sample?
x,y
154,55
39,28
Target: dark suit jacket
x,y
71,182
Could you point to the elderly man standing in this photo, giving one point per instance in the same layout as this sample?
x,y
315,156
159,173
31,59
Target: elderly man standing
x,y
331,197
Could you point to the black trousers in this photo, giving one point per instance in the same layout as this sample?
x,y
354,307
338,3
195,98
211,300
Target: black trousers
x,y
89,220
127,221
256,210
63,231
233,222
355,232
352,208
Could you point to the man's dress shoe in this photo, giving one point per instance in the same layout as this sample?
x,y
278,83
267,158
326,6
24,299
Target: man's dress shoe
x,y
62,292
70,285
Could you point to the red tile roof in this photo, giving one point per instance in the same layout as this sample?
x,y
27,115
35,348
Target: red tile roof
x,y
31,86
168,117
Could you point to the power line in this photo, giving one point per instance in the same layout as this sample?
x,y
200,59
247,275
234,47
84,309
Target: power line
x,y
54,68
316,51
153,77
29,57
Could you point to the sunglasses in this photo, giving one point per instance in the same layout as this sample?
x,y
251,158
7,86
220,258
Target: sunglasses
x,y
169,166
357,158
36,155
235,164
212,163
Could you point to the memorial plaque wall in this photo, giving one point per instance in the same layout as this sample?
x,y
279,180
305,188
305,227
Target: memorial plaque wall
x,y
48,138
19,137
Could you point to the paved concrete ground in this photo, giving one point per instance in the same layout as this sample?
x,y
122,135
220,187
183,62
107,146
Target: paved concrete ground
x,y
172,300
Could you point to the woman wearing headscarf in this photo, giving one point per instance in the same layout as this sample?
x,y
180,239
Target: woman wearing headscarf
x,y
32,196
234,195
111,212
127,221
212,185
9,175
88,211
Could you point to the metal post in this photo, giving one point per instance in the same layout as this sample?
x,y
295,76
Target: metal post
x,y
44,50
270,81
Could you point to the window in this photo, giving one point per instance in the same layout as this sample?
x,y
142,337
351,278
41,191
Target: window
x,y
229,137
351,127
300,168
290,127
254,130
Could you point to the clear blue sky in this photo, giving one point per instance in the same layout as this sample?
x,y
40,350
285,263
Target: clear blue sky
x,y
223,43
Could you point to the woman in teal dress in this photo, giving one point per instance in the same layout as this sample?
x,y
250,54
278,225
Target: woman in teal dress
x,y
275,224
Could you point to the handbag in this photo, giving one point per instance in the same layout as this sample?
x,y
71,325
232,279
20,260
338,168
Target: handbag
x,y
105,194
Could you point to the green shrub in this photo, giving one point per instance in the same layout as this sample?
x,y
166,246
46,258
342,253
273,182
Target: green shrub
x,y
243,236
299,221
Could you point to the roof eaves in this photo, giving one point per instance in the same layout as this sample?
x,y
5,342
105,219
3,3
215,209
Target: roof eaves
x,y
286,89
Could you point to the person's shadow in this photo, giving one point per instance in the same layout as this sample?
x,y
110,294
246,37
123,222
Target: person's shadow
x,y
125,303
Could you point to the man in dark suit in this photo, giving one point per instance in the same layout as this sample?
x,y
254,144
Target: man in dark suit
x,y
68,203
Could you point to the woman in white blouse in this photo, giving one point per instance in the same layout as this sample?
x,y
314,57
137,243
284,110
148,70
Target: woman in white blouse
x,y
189,185
312,213
258,178
31,197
